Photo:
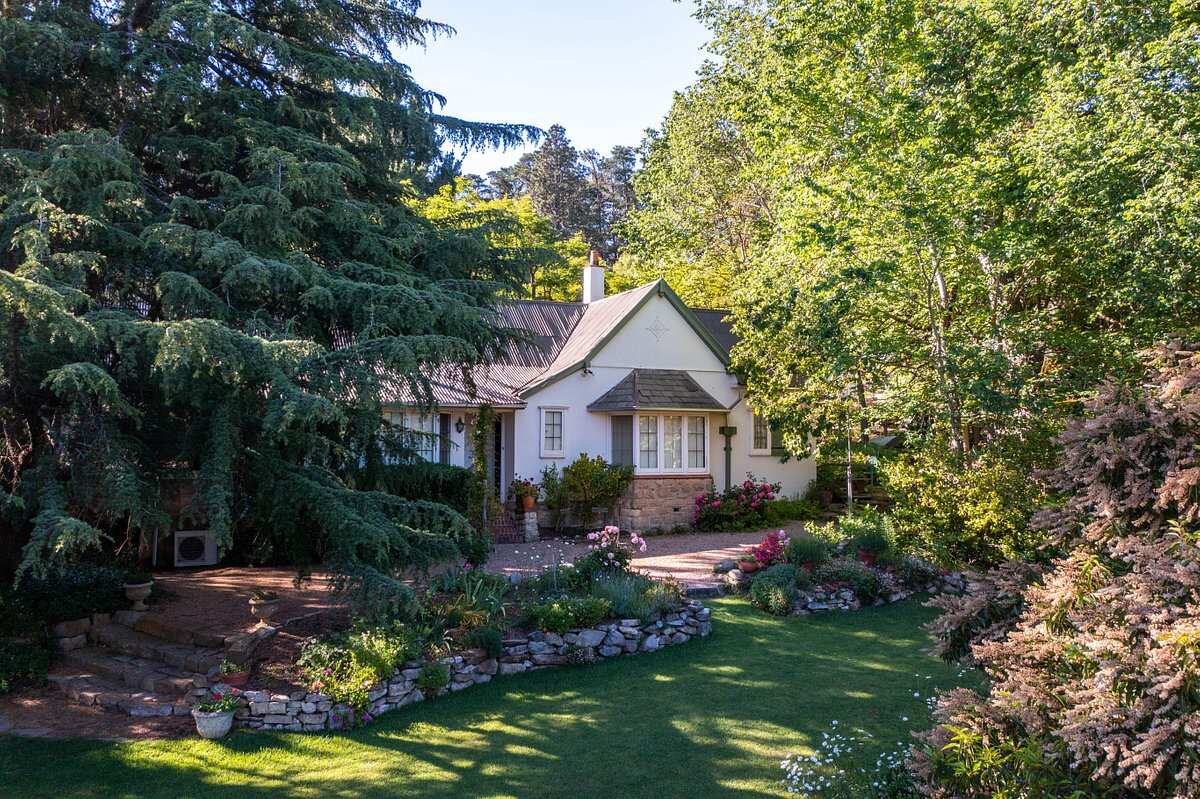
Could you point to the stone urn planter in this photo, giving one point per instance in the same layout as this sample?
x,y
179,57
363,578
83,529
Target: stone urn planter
x,y
137,592
527,503
213,725
263,605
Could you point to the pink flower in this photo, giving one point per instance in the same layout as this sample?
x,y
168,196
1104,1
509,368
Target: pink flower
x,y
716,503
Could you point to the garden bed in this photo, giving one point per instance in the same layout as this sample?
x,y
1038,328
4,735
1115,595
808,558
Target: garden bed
x,y
311,711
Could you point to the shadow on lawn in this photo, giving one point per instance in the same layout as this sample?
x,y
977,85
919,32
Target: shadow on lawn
x,y
680,722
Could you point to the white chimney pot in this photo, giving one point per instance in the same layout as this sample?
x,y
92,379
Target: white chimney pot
x,y
593,279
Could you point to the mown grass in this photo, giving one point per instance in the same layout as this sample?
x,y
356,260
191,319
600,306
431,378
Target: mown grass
x,y
711,718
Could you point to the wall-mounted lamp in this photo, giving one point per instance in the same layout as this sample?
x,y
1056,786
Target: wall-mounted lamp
x,y
459,426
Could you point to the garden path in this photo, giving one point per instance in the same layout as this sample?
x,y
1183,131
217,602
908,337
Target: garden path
x,y
689,558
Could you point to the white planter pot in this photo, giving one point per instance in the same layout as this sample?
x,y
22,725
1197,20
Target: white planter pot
x,y
137,593
213,725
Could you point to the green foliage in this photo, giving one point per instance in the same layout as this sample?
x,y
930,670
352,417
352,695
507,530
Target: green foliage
x,y
774,588
625,592
422,480
72,592
560,615
589,483
347,665
553,494
868,530
22,663
466,598
803,550
960,514
783,509
433,678
489,639
858,577
217,266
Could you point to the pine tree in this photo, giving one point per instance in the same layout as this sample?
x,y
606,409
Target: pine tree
x,y
211,261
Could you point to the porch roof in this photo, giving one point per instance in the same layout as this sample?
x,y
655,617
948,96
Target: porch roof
x,y
657,389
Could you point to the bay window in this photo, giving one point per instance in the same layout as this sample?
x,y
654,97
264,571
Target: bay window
x,y
666,443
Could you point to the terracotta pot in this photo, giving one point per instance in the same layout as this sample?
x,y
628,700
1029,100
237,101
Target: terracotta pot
x,y
263,609
213,725
527,503
867,557
137,593
748,566
236,679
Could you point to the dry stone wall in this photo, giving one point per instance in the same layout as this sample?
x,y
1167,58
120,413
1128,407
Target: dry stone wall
x,y
312,712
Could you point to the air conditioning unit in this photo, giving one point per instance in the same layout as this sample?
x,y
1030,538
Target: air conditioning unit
x,y
195,548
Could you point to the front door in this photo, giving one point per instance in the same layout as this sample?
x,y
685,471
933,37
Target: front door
x,y
498,458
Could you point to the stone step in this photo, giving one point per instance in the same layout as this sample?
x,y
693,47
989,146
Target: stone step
x,y
134,672
703,590
155,626
95,690
183,657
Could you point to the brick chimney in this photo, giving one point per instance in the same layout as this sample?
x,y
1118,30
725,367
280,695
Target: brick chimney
x,y
593,278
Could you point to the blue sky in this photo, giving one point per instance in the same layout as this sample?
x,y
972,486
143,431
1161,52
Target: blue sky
x,y
605,69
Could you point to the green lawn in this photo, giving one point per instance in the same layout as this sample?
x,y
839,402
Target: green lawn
x,y
710,718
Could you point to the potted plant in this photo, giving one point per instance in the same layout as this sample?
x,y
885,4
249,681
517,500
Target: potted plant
x,y
263,604
871,545
138,585
214,714
233,673
747,563
525,491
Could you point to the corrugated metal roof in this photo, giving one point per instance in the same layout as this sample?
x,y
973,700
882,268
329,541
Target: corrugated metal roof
x,y
547,326
658,389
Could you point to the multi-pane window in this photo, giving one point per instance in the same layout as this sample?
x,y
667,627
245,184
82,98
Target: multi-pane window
x,y
416,433
622,440
672,442
552,432
762,435
665,443
648,442
697,445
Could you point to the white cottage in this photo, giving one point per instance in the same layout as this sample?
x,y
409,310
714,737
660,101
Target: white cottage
x,y
638,378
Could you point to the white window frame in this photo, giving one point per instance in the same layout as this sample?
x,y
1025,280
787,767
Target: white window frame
x,y
425,424
662,425
543,451
754,420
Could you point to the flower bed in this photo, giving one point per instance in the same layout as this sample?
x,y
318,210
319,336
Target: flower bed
x,y
470,626
312,711
835,568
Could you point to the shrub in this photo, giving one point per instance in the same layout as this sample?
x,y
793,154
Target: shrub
x,y
347,665
23,663
436,482
861,579
488,639
626,592
967,515
433,678
783,510
664,595
804,550
560,615
593,483
73,592
741,507
867,530
770,549
1092,682
774,588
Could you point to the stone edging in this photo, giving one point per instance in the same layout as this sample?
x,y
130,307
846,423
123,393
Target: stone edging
x,y
303,711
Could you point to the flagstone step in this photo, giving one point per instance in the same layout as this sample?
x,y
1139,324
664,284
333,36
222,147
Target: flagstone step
x,y
94,690
184,657
136,673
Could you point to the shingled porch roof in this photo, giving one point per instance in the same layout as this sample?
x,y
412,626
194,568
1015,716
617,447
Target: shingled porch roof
x,y
656,389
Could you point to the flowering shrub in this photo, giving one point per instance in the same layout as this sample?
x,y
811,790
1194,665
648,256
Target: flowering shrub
x,y
738,508
561,615
218,702
774,589
771,548
608,552
347,665
1093,666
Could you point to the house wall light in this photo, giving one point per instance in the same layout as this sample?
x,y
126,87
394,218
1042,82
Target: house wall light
x,y
459,426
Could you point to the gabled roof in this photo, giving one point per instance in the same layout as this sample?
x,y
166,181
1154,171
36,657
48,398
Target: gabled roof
x,y
553,340
656,389
604,318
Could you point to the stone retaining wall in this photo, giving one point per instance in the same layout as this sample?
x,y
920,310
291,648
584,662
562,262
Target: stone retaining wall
x,y
312,712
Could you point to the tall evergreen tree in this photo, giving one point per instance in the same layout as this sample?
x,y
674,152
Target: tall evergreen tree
x,y
211,263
